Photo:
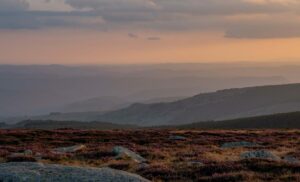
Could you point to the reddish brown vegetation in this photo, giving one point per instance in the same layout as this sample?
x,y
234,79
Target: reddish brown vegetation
x,y
168,160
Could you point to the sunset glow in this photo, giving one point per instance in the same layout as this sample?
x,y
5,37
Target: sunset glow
x,y
148,31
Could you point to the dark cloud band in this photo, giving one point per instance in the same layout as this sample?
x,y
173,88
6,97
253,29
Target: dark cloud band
x,y
162,15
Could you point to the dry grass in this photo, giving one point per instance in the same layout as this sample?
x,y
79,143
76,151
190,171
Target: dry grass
x,y
168,160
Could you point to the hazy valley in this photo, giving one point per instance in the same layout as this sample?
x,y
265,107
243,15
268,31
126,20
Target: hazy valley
x,y
177,122
149,90
34,90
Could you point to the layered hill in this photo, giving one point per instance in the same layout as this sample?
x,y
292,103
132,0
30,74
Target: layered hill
x,y
275,121
85,111
220,105
103,104
49,125
2,125
27,90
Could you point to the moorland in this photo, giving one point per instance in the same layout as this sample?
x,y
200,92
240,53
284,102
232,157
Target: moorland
x,y
170,154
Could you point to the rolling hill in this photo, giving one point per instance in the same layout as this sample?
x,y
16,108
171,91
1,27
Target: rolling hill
x,y
2,125
96,104
102,104
27,90
49,125
275,121
220,105
84,111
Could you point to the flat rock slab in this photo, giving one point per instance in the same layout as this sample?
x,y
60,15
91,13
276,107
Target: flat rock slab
x,y
37,172
122,151
68,149
238,144
291,159
259,154
177,137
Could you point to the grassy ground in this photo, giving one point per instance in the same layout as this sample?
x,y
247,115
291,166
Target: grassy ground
x,y
169,160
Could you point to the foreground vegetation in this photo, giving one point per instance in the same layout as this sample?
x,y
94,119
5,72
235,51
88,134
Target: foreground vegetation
x,y
172,155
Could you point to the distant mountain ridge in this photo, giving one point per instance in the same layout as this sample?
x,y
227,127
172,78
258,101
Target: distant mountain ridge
x,y
220,105
85,111
98,104
102,104
27,90
49,125
275,121
2,125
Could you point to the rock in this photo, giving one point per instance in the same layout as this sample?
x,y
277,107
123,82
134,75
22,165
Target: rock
x,y
70,149
28,152
259,154
290,159
177,137
238,144
122,151
30,171
142,166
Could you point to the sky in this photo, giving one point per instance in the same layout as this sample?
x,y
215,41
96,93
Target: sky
x,y
148,31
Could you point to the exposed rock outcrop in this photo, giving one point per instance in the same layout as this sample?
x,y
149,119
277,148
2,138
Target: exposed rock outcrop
x,y
259,154
238,144
69,149
122,151
27,171
177,137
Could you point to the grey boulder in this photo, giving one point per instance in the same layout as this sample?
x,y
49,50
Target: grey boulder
x,y
37,172
177,137
122,151
70,149
259,154
238,144
291,160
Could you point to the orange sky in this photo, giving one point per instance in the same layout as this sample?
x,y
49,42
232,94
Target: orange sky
x,y
148,31
96,47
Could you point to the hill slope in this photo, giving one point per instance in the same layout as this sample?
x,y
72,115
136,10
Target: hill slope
x,y
48,125
27,90
220,105
2,125
275,121
104,104
95,108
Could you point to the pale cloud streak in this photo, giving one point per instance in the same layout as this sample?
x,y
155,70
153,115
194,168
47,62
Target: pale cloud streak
x,y
49,5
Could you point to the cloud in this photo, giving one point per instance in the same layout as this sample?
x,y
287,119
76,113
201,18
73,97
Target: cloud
x,y
191,7
13,5
49,5
132,35
262,29
200,15
113,5
236,18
